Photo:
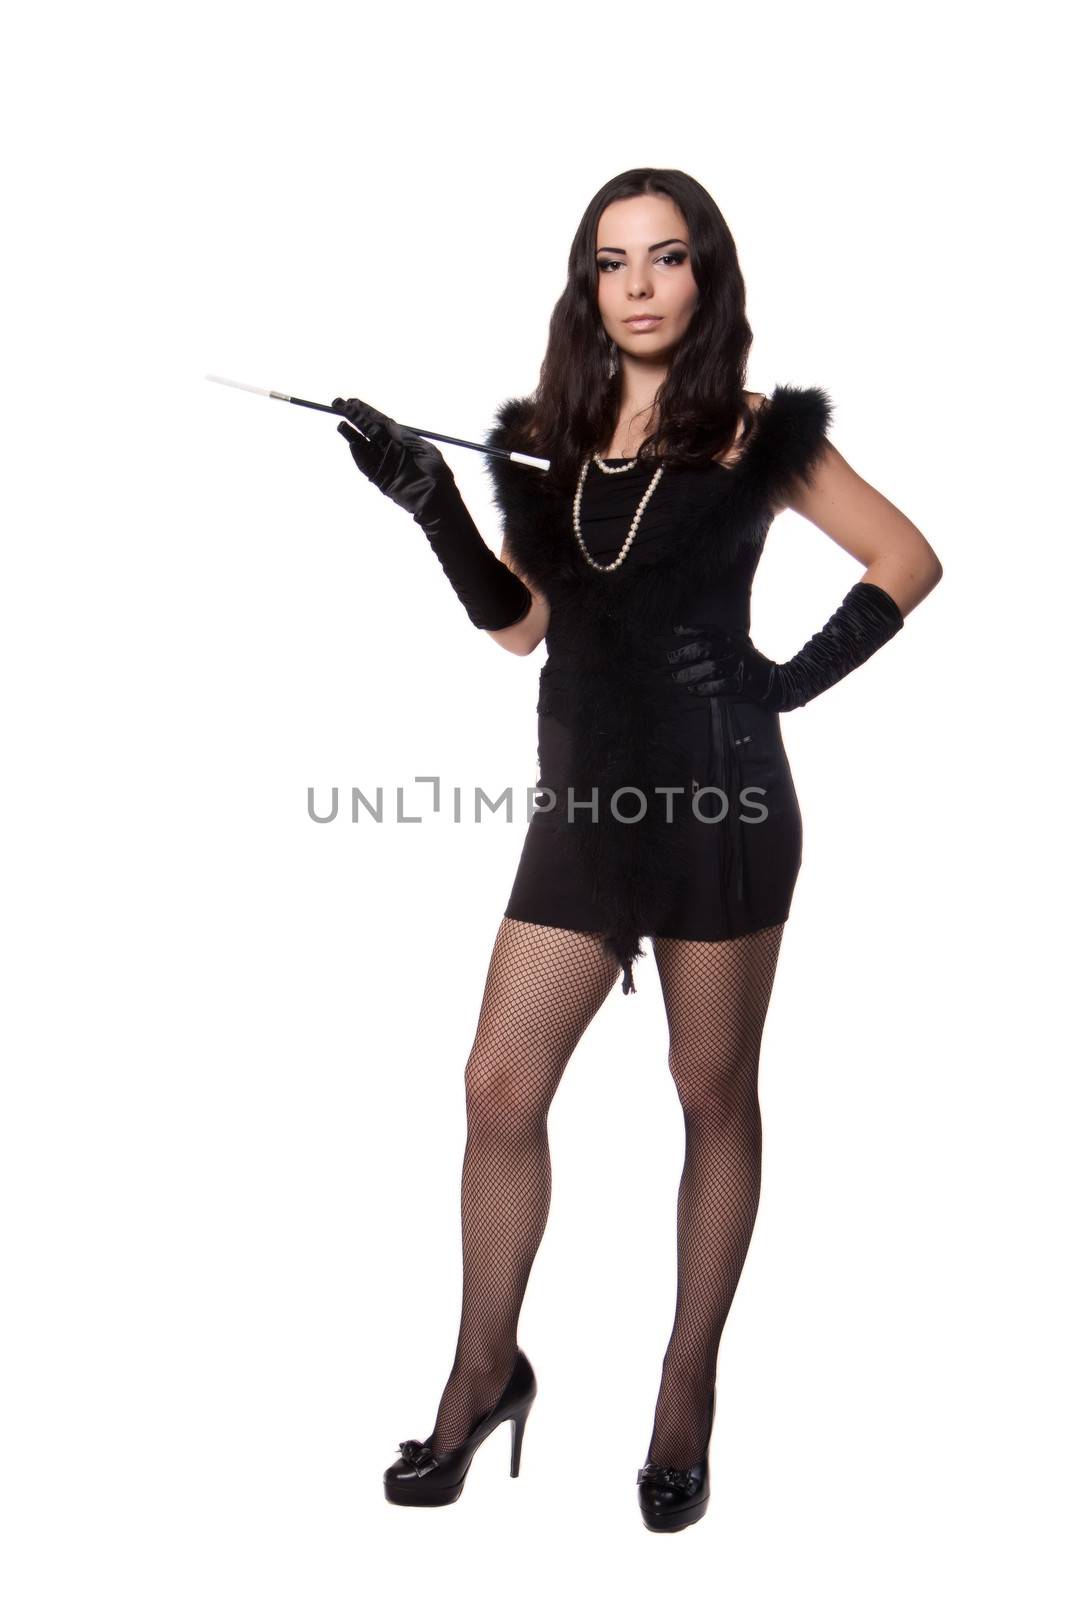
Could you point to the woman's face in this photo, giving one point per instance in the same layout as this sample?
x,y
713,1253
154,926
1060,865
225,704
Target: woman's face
x,y
644,269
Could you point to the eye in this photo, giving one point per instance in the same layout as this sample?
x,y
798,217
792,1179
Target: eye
x,y
671,255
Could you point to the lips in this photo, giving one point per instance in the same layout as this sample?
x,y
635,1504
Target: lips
x,y
631,320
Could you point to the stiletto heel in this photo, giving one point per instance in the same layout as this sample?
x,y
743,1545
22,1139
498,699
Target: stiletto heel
x,y
424,1477
674,1497
518,1428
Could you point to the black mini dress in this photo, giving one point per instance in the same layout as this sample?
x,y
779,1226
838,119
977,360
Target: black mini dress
x,y
739,823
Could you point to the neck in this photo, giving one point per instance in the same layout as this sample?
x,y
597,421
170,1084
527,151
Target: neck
x,y
641,382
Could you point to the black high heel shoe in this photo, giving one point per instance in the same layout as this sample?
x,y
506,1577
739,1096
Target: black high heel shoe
x,y
674,1497
424,1477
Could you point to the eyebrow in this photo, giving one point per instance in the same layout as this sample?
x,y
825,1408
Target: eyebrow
x,y
615,251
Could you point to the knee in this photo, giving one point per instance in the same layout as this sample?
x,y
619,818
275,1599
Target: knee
x,y
505,1099
714,1085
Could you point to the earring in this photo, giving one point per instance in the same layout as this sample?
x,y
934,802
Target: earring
x,y
613,363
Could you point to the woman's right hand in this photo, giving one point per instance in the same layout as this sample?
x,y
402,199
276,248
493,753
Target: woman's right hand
x,y
412,472
408,469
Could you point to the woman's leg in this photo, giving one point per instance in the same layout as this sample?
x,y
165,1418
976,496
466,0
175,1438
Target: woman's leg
x,y
544,987
716,996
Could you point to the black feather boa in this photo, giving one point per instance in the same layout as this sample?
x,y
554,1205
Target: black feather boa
x,y
608,630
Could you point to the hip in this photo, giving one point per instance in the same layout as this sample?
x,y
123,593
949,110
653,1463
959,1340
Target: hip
x,y
715,743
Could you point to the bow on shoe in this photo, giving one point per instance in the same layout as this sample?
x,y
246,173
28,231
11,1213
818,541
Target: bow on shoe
x,y
668,1477
418,1455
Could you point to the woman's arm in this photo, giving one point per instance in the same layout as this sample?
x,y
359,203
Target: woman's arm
x,y
522,638
862,521
901,571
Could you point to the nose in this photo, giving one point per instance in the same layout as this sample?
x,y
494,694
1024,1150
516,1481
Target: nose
x,y
637,287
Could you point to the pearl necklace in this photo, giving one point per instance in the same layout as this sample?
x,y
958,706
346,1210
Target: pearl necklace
x,y
599,566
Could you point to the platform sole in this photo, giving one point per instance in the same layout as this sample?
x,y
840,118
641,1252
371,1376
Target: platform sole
x,y
438,1495
672,1521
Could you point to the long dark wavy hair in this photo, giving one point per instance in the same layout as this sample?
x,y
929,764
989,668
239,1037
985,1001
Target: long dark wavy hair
x,y
576,403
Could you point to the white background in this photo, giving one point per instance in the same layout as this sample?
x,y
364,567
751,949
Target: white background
x,y
233,1120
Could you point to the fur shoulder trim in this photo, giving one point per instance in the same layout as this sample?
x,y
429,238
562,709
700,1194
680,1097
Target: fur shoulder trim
x,y
510,479
510,416
789,433
789,436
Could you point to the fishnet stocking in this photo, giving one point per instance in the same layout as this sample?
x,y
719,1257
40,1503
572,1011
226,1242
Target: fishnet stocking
x,y
543,989
716,996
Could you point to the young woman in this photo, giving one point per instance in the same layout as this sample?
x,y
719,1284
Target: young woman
x,y
633,558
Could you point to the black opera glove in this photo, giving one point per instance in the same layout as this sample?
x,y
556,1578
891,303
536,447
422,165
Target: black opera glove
x,y
412,472
720,662
724,663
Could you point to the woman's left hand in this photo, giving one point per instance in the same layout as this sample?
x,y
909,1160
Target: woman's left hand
x,y
714,661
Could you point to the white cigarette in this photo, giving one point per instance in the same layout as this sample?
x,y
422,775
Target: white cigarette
x,y
272,394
